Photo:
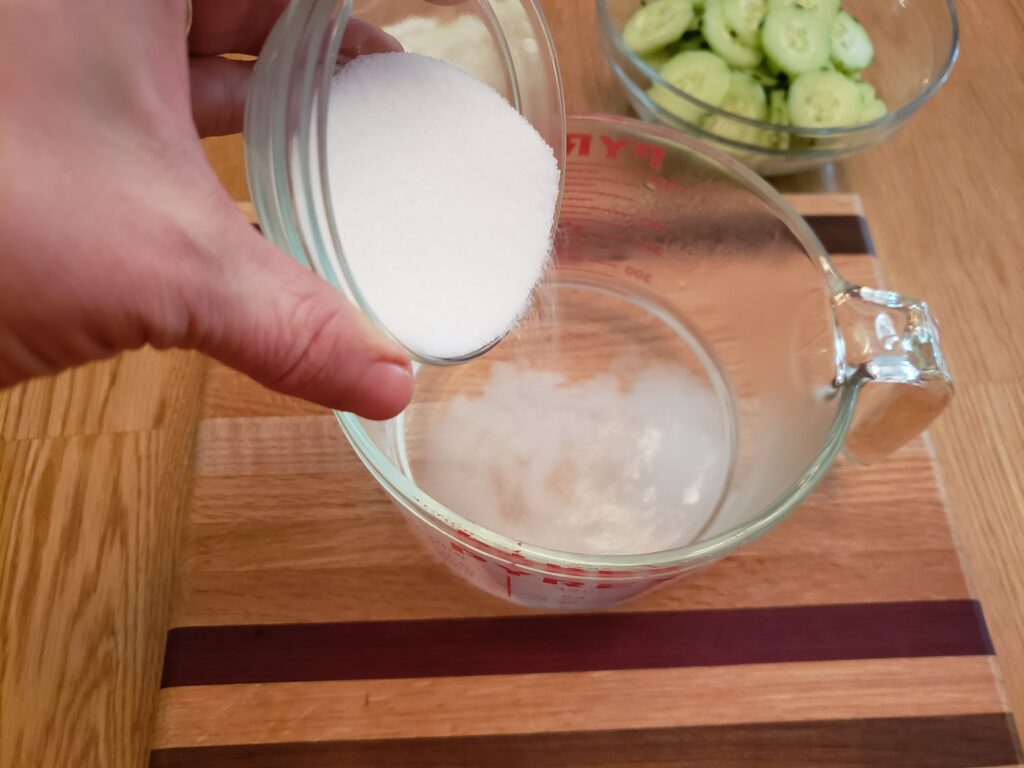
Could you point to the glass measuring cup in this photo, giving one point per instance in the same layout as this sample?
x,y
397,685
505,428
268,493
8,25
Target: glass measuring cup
x,y
503,43
669,257
681,280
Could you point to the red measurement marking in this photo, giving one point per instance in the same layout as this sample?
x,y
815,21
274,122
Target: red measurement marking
x,y
508,586
612,147
654,153
512,571
466,553
578,143
563,582
568,569
581,144
639,274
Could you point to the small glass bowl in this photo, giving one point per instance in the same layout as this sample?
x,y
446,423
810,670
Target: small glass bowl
x,y
916,44
504,43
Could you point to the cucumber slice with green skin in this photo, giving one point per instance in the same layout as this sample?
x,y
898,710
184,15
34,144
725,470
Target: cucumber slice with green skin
x,y
744,18
778,108
721,40
795,41
657,59
874,110
778,113
764,76
694,25
656,25
826,10
688,43
824,100
867,92
852,49
700,74
746,98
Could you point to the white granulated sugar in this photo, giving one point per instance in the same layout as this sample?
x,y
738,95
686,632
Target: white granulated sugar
x,y
444,197
588,466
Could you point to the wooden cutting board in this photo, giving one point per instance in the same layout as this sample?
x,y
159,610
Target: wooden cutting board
x,y
311,630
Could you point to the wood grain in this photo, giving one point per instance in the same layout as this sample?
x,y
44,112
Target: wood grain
x,y
944,201
95,476
499,704
865,743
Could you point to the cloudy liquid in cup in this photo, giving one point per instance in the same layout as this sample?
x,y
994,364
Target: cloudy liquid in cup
x,y
565,438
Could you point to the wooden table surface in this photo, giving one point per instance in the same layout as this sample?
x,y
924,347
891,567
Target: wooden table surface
x,y
95,465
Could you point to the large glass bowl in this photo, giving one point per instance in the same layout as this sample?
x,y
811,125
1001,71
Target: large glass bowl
x,y
916,43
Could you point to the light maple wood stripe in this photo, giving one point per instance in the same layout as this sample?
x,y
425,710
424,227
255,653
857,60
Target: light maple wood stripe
x,y
241,523
422,589
357,527
503,704
268,446
812,204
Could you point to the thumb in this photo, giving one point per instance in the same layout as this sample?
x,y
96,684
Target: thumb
x,y
276,321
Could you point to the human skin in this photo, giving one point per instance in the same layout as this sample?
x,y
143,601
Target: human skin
x,y
114,230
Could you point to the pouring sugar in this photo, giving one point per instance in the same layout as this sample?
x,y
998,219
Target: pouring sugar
x,y
444,198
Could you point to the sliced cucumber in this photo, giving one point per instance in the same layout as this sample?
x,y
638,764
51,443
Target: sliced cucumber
x,y
746,98
720,38
688,43
795,40
744,18
657,24
867,92
657,59
851,47
824,100
778,113
694,25
826,10
778,108
874,110
700,74
764,76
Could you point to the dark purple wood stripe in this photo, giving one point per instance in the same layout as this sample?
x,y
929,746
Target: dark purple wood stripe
x,y
842,234
570,642
839,234
966,741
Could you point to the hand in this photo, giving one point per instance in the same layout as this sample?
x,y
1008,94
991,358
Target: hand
x,y
114,231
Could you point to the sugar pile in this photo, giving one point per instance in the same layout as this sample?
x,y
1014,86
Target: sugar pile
x,y
587,466
444,198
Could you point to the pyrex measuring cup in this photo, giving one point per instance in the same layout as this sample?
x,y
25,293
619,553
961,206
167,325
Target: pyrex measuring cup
x,y
692,351
668,258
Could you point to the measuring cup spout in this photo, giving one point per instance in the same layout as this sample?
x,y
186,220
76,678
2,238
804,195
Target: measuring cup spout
x,y
892,356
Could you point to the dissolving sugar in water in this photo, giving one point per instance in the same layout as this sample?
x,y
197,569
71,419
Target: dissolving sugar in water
x,y
603,465
444,198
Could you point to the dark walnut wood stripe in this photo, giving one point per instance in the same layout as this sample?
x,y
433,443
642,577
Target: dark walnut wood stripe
x,y
842,234
967,741
571,643
839,234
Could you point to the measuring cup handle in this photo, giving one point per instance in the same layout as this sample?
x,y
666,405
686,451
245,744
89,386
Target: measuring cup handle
x,y
893,359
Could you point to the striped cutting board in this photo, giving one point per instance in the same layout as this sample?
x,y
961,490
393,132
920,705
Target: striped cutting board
x,y
311,630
